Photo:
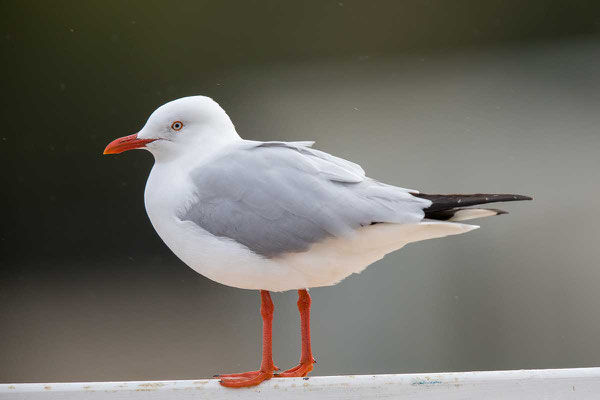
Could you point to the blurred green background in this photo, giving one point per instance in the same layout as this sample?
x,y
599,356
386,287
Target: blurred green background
x,y
441,96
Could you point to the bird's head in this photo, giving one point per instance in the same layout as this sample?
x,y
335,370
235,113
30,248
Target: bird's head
x,y
178,127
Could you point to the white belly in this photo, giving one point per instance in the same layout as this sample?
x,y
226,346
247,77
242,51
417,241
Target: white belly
x,y
226,261
324,264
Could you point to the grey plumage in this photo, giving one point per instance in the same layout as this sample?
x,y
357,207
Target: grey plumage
x,y
277,197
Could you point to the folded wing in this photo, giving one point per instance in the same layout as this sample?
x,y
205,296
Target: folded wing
x,y
278,197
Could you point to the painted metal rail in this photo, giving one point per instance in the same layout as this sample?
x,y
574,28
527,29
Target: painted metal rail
x,y
578,383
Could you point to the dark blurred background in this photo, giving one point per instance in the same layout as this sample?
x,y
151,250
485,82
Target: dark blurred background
x,y
441,96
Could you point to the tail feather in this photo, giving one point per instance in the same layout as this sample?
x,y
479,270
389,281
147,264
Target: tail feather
x,y
463,214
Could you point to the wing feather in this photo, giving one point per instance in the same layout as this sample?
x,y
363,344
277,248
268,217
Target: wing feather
x,y
280,197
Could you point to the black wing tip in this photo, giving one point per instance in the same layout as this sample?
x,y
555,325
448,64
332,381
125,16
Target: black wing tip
x,y
515,197
472,195
441,202
522,197
488,196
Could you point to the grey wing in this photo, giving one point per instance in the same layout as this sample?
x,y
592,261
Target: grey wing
x,y
277,197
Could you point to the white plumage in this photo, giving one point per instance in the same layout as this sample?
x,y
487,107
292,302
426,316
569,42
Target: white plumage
x,y
208,137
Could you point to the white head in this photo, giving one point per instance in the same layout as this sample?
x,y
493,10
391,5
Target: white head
x,y
182,126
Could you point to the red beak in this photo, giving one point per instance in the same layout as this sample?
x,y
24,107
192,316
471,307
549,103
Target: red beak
x,y
126,143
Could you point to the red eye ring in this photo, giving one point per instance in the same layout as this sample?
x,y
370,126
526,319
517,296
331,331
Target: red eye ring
x,y
177,125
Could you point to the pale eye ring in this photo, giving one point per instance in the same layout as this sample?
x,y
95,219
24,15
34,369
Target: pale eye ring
x,y
177,125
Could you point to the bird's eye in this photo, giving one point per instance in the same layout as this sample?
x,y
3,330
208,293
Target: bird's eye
x,y
177,125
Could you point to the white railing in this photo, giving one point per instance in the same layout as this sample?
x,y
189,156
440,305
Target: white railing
x,y
550,384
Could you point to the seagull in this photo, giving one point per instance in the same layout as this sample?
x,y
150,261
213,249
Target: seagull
x,y
277,216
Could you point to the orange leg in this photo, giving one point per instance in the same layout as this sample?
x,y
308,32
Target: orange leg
x,y
267,367
306,356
